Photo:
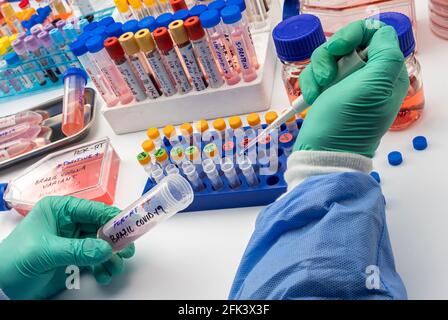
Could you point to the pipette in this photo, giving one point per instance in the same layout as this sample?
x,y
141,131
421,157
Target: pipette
x,y
346,66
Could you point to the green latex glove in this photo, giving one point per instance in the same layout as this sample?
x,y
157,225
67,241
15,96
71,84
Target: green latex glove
x,y
58,232
353,115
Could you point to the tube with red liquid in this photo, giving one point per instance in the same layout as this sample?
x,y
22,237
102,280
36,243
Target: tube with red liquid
x,y
178,5
73,105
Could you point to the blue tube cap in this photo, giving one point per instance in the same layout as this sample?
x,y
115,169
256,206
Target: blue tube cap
x,y
240,3
182,14
69,32
12,59
297,37
75,72
57,36
375,175
420,143
131,26
85,36
217,5
3,204
91,26
403,26
105,22
82,24
164,19
115,30
100,31
95,44
78,48
231,14
395,158
148,23
210,19
197,10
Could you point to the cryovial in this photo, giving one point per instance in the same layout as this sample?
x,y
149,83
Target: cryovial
x,y
30,117
87,171
172,195
154,135
19,47
186,130
177,5
95,45
220,127
180,37
157,173
211,151
294,48
211,22
212,174
254,121
197,10
228,168
236,126
162,158
145,161
163,76
286,141
231,16
249,172
192,175
182,14
170,133
59,25
60,42
152,7
166,47
16,71
73,104
14,148
171,169
202,50
177,155
34,48
102,85
149,146
132,50
291,124
123,10
138,9
116,53
164,6
47,43
270,117
193,154
203,130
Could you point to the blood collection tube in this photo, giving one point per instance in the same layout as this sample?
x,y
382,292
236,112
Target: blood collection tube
x,y
16,147
201,46
220,127
130,26
21,117
286,143
15,70
157,173
162,158
165,6
228,168
177,155
73,104
171,169
109,69
19,47
249,173
20,131
70,34
165,45
154,135
254,121
182,14
192,175
101,83
149,146
116,52
138,9
34,48
170,133
152,7
123,9
164,19
211,22
217,5
180,37
212,174
231,16
114,30
203,129
177,5
145,161
47,43
132,50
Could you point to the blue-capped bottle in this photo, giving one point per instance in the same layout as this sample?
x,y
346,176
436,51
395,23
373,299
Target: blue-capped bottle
x,y
295,40
412,107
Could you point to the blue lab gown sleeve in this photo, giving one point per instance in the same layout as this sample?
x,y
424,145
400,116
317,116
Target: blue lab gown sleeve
x,y
326,239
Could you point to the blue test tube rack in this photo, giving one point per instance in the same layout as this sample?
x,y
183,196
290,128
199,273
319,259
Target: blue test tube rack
x,y
268,190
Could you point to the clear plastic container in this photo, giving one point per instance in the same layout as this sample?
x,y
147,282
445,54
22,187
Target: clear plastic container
x,y
73,104
335,14
438,15
88,171
171,195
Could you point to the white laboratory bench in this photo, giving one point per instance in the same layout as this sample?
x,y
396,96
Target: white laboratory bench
x,y
195,255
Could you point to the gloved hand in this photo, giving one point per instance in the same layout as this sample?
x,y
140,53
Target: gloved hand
x,y
58,232
353,115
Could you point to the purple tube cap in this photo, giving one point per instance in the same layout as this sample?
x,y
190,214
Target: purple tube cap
x,y
60,24
36,29
31,43
45,39
48,27
19,46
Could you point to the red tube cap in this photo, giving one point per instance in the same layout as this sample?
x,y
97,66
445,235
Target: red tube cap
x,y
163,39
114,48
194,28
23,4
178,5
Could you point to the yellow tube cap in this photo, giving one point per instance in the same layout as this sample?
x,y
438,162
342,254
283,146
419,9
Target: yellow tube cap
x,y
148,145
253,119
122,5
219,124
178,32
129,43
135,4
202,125
143,158
145,41
153,133
169,131
186,129
235,122
270,117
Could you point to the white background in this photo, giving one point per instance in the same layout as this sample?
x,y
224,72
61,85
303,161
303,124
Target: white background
x,y
195,255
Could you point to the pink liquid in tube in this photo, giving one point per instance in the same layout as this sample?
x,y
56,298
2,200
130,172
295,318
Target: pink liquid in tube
x,y
14,148
23,130
21,117
73,108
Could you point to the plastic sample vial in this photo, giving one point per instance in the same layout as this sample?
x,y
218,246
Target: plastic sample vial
x,y
182,14
15,69
170,196
212,174
152,7
286,143
165,6
47,43
30,117
154,135
149,146
123,10
102,85
132,50
162,158
270,117
412,107
197,10
59,43
130,26
186,131
192,175
138,9
164,19
220,127
202,50
177,155
203,129
211,151
15,148
157,173
249,172
87,171
193,154
177,5
236,125
295,40
231,16
254,121
116,53
19,47
11,18
162,75
169,131
180,37
171,169
166,47
22,130
228,168
211,22
145,161
73,104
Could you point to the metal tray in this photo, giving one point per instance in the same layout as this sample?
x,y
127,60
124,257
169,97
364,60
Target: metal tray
x,y
53,109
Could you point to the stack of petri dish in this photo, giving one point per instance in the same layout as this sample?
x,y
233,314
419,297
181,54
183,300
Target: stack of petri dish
x,y
438,14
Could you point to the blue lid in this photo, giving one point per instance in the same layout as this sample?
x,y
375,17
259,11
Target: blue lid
x,y
105,22
78,48
57,36
12,59
240,3
148,23
26,24
164,19
217,5
100,31
403,26
297,37
231,14
3,204
82,24
69,32
115,30
91,26
131,26
95,44
197,10
85,36
375,175
420,143
210,18
40,18
75,72
181,14
395,158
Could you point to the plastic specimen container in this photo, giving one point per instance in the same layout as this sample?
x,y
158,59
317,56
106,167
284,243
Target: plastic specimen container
x,y
75,81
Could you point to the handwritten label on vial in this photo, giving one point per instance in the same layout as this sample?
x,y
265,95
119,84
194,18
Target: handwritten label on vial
x,y
7,121
242,54
220,53
193,67
206,58
149,86
132,82
166,84
178,71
